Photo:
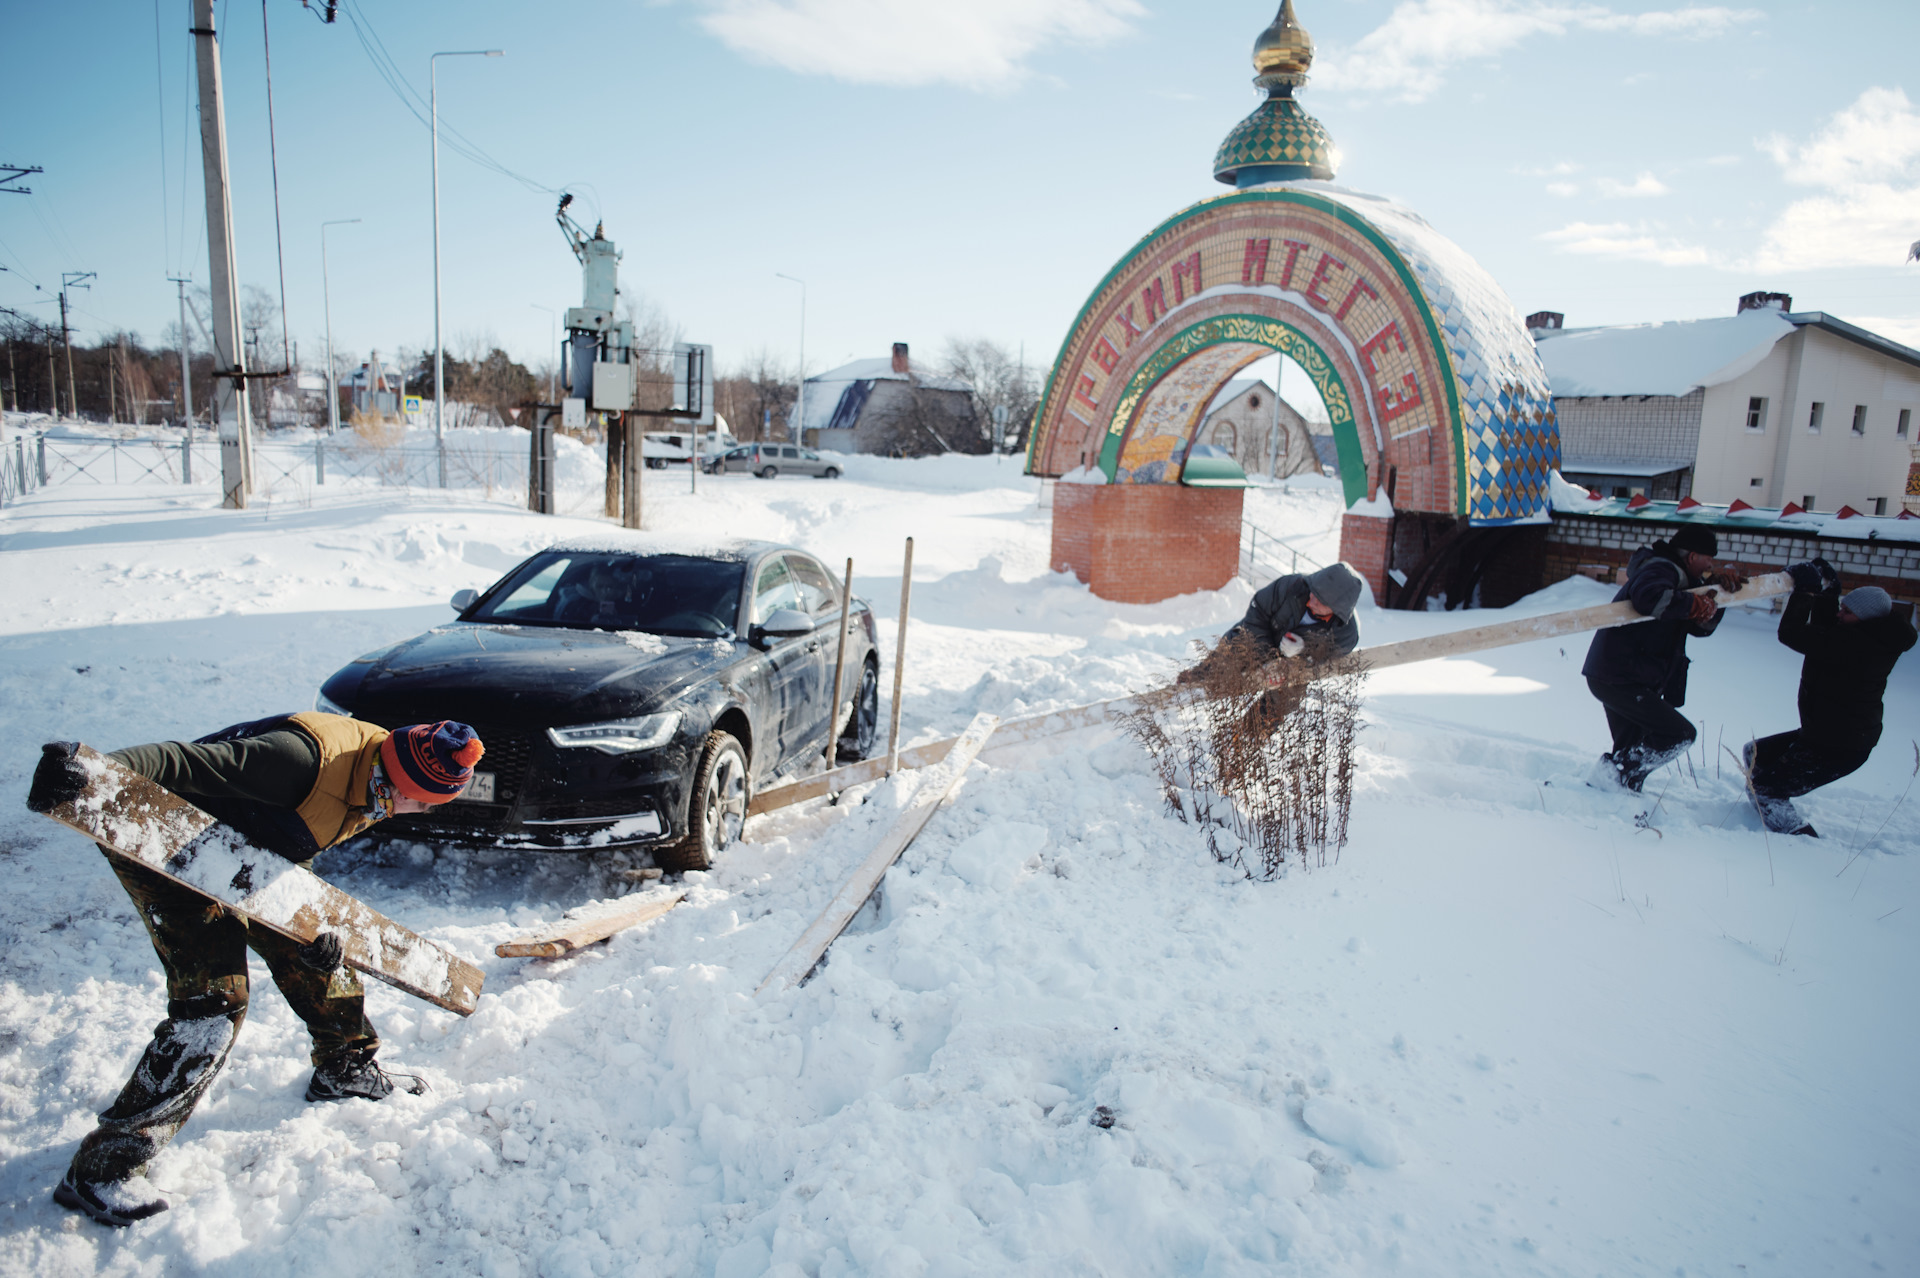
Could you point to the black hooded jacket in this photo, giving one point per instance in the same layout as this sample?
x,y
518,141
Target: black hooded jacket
x,y
1651,653
1843,680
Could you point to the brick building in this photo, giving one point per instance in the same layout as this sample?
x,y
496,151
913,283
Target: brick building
x,y
1768,406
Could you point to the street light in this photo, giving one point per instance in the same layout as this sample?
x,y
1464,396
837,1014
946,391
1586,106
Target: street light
x,y
800,395
553,348
439,379
326,303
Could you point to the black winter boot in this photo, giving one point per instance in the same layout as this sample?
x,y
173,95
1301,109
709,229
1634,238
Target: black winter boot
x,y
353,1075
118,1203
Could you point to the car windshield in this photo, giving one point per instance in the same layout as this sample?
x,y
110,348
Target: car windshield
x,y
596,590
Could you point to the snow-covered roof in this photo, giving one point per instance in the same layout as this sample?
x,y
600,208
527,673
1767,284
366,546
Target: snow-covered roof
x,y
1672,358
825,390
1572,499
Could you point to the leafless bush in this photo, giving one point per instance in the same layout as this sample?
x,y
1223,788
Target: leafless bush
x,y
1266,771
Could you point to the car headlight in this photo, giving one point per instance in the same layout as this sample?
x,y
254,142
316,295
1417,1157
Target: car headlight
x,y
619,736
325,706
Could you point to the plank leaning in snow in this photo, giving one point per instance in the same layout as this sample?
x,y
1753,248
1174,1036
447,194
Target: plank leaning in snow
x,y
934,789
1453,643
141,821
572,933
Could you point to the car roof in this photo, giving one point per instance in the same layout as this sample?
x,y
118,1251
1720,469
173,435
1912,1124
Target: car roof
x,y
627,542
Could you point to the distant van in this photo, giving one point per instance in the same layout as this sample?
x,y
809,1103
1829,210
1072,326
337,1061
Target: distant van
x,y
769,461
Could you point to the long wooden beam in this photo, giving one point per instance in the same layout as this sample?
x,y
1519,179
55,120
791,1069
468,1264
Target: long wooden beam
x,y
1403,652
934,789
139,821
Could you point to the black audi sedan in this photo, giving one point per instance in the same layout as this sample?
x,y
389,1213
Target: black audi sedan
x,y
629,695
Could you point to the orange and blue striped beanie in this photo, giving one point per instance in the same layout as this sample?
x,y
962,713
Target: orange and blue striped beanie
x,y
431,762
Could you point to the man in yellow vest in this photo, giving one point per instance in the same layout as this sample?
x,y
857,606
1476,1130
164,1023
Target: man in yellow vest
x,y
295,785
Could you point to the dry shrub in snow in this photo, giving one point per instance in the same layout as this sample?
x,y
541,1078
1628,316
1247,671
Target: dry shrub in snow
x,y
1266,771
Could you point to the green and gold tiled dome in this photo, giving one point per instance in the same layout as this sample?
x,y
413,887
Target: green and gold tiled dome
x,y
1279,142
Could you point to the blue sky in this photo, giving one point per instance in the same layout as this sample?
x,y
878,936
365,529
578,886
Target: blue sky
x,y
962,169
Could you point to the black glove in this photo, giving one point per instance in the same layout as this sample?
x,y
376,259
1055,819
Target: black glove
x,y
1806,579
58,779
1829,575
323,953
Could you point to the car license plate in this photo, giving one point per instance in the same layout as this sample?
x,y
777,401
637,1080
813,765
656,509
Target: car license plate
x,y
479,790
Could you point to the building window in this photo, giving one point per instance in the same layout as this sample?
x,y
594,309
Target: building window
x,y
1813,418
1859,419
1806,503
1879,505
1755,482
1906,420
1757,413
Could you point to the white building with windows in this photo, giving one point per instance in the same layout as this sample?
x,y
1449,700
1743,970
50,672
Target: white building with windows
x,y
1768,406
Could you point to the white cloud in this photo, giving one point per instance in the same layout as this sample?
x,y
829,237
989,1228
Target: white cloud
x,y
1564,190
1642,187
1408,55
1868,160
978,44
1621,240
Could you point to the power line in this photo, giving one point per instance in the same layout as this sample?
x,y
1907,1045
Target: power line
x,y
389,71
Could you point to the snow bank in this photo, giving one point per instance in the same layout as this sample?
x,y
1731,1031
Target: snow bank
x,y
1509,1031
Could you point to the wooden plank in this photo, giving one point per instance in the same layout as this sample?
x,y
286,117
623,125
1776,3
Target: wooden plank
x,y
1553,624
1380,656
934,790
142,822
584,927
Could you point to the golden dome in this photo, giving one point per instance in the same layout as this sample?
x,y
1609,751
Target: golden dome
x,y
1284,51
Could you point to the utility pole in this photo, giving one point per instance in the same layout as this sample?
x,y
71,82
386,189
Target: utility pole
x,y
186,369
231,407
72,279
798,430
326,304
439,379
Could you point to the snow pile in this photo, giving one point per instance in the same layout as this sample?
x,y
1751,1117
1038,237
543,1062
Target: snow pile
x,y
1569,498
1509,1032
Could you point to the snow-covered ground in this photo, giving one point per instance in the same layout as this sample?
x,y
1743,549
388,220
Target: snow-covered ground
x,y
1507,1033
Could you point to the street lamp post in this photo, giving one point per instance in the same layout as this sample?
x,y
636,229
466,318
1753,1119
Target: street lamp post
x,y
326,303
439,378
800,394
553,346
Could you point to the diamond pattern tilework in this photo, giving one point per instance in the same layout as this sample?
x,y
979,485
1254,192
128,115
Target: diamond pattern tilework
x,y
1509,431
1279,132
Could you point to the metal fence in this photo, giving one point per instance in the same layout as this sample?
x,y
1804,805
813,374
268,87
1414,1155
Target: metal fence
x,y
1264,556
36,461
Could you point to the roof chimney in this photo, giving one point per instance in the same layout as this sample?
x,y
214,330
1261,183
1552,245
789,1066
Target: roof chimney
x,y
1765,302
1545,321
900,357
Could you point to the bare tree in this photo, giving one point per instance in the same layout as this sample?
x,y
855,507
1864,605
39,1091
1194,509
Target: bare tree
x,y
756,396
1000,380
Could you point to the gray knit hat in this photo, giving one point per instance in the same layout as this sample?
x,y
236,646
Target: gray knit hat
x,y
1338,587
1869,603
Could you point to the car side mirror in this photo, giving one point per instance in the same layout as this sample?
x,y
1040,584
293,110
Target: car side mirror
x,y
784,624
464,599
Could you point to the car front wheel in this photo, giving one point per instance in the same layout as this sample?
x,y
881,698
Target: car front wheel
x,y
863,729
716,809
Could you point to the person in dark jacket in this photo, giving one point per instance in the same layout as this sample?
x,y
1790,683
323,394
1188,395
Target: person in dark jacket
x,y
294,785
1639,671
1305,617
1849,644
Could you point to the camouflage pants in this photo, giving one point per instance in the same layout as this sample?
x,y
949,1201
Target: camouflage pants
x,y
203,948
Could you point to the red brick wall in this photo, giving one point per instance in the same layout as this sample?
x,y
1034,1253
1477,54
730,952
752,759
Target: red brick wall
x,y
1141,543
1363,546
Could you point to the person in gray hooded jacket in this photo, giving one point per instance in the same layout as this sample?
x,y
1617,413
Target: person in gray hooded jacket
x,y
1306,617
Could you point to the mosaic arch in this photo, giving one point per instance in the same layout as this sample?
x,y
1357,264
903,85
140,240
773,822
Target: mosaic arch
x,y
1424,365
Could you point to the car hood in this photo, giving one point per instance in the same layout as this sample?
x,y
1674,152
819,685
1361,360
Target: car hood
x,y
537,674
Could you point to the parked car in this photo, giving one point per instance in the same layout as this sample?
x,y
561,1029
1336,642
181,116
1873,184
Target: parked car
x,y
772,460
628,696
